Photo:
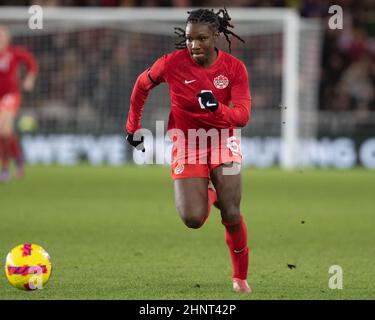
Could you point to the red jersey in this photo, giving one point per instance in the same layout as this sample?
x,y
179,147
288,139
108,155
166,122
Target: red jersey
x,y
226,78
9,61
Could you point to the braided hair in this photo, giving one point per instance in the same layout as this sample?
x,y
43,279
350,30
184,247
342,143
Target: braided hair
x,y
219,21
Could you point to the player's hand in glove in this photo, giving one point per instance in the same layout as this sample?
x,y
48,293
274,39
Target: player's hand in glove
x,y
138,144
207,100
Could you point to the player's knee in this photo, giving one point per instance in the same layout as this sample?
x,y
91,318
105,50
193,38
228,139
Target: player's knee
x,y
231,213
193,222
193,217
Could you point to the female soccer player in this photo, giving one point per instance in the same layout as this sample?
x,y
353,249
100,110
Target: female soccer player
x,y
10,100
209,91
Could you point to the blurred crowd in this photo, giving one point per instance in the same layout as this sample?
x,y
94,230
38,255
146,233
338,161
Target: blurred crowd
x,y
347,75
348,64
86,75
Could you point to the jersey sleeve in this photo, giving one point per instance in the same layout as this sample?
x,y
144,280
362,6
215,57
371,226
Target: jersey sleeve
x,y
238,115
157,73
28,58
147,80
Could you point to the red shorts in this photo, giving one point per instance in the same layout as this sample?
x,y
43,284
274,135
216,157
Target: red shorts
x,y
190,163
10,102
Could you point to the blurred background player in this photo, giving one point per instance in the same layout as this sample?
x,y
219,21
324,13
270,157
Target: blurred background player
x,y
10,100
203,81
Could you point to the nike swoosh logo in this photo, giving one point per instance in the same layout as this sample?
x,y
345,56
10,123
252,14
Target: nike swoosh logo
x,y
238,251
211,104
189,81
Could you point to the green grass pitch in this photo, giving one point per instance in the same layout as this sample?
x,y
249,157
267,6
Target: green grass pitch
x,y
114,233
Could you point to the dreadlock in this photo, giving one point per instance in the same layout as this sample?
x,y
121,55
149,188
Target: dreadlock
x,y
217,20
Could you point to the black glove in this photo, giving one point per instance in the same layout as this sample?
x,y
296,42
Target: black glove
x,y
138,144
207,100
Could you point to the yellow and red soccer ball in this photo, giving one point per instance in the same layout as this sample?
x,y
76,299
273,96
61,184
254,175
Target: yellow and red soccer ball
x,y
28,267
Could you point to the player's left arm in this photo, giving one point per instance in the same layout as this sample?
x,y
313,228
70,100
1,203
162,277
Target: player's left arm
x,y
237,115
31,63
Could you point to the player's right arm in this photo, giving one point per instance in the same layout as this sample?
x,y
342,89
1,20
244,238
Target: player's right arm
x,y
147,80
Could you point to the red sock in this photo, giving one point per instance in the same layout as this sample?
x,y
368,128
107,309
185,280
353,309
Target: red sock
x,y
236,238
15,149
4,152
212,197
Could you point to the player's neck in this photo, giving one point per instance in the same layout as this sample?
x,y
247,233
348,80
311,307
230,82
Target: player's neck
x,y
211,59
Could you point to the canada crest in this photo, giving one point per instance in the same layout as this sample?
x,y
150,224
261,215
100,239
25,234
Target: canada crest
x,y
179,169
221,82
